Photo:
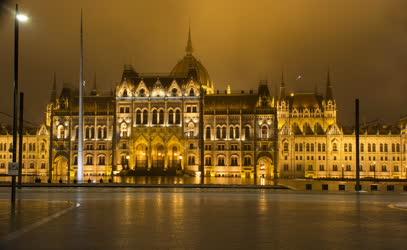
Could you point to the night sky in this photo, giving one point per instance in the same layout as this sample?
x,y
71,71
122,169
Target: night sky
x,y
240,42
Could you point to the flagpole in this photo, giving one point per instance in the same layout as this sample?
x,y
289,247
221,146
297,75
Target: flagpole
x,y
80,117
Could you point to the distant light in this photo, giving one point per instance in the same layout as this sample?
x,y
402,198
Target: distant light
x,y
292,94
22,18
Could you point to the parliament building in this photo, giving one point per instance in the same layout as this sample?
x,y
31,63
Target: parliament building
x,y
178,122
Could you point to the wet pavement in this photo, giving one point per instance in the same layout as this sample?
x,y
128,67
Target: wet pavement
x,y
154,218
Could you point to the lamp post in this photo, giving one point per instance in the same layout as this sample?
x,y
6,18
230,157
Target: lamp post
x,y
18,17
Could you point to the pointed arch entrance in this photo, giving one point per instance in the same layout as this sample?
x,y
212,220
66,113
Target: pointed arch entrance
x,y
265,166
60,167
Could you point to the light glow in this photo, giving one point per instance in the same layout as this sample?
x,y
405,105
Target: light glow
x,y
22,18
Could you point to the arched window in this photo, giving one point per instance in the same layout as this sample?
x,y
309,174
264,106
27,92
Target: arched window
x,y
237,133
145,116
296,147
138,116
398,147
234,161
100,133
89,160
386,148
101,160
87,132
170,116
285,147
155,118
334,147
312,147
208,133
161,117
142,93
174,92
319,147
104,132
218,133
350,147
208,161
191,92
323,147
247,132
374,147
61,132
123,130
125,93
381,147
369,147
247,161
92,132
221,161
77,132
231,132
264,132
393,147
75,160
191,160
362,147
223,132
307,147
177,116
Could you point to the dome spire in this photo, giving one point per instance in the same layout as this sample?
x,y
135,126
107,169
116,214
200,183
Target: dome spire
x,y
189,48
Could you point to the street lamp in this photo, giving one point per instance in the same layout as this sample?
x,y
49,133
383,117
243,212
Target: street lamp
x,y
18,17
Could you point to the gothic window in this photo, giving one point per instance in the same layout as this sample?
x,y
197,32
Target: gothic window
x,y
125,93
319,147
161,117
397,147
208,133
312,147
223,132
77,132
75,160
237,132
307,147
61,132
234,161
218,132
92,132
177,116
393,147
208,161
100,133
174,92
247,161
138,116
323,147
386,149
155,118
89,160
374,147
231,130
145,116
285,147
345,147
191,92
264,132
334,147
142,93
350,147
101,160
247,132
170,116
301,147
123,130
381,147
296,147
221,161
191,160
369,147
362,147
104,132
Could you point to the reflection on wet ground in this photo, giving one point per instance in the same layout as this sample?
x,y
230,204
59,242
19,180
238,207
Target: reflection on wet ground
x,y
155,218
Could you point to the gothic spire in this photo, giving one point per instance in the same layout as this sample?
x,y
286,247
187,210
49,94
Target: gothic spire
x,y
329,94
54,89
282,85
189,48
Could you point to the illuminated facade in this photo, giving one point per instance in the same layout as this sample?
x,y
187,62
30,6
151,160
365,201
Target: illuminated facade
x,y
149,125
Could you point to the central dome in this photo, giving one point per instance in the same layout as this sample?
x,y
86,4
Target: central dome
x,y
190,67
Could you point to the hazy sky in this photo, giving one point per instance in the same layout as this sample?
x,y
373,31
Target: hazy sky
x,y
239,42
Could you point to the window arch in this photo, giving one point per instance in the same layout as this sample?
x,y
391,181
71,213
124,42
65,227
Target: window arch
x,y
124,130
208,133
247,132
264,132
100,133
334,146
231,132
161,117
101,160
89,160
155,117
61,132
285,146
177,116
208,161
224,132
142,93
234,161
237,132
174,92
221,160
170,116
247,161
218,132
191,92
138,116
145,116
